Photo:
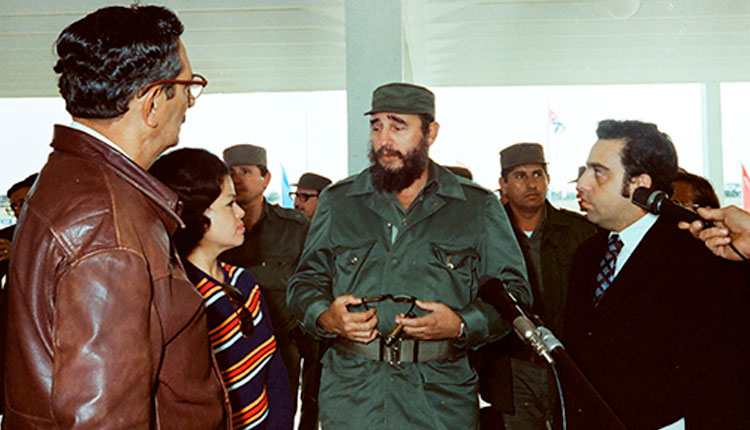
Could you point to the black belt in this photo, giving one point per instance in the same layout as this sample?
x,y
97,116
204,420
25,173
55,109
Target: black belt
x,y
402,351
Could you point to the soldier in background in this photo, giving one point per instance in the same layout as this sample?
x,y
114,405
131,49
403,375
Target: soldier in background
x,y
548,238
308,189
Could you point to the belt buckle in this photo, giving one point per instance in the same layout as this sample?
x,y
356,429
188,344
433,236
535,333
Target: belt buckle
x,y
391,350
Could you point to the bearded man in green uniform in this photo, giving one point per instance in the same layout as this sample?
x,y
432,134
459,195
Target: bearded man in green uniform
x,y
274,237
391,271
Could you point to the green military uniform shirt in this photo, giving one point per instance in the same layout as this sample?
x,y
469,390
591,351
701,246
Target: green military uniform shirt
x,y
362,242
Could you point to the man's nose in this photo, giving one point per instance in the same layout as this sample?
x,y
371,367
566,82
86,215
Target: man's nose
x,y
583,180
382,137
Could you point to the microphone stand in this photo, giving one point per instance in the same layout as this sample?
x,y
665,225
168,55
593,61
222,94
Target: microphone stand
x,y
547,346
576,383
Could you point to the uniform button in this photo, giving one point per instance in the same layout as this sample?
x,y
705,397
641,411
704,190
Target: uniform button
x,y
354,260
263,264
588,334
403,222
394,260
389,225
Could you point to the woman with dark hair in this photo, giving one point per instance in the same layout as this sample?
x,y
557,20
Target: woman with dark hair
x,y
239,326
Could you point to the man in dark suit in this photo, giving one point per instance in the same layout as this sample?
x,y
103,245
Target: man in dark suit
x,y
654,321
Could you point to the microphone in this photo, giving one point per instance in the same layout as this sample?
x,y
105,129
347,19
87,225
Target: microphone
x,y
658,202
492,291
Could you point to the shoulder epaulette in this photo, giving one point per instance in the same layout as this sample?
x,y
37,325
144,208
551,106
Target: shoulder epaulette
x,y
290,214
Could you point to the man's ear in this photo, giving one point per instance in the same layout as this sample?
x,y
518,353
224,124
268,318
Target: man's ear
x,y
266,179
149,104
432,132
500,181
642,180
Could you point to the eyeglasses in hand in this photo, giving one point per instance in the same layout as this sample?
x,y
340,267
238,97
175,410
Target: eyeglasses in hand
x,y
397,298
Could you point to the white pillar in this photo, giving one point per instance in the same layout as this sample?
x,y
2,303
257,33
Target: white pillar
x,y
374,56
713,158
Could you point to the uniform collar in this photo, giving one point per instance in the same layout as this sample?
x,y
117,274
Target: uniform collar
x,y
439,180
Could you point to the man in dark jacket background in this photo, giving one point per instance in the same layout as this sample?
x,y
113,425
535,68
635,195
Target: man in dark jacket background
x,y
548,238
104,329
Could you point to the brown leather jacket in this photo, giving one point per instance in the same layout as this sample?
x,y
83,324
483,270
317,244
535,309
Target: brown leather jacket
x,y
104,329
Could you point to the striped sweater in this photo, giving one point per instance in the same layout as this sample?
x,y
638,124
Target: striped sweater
x,y
251,368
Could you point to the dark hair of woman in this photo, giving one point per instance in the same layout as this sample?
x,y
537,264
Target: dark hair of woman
x,y
196,175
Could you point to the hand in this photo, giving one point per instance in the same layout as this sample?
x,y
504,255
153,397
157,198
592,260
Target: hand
x,y
4,249
440,323
731,225
356,326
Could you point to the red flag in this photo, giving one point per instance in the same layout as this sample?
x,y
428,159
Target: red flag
x,y
745,189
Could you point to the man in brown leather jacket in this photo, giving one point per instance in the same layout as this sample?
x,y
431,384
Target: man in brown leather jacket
x,y
104,329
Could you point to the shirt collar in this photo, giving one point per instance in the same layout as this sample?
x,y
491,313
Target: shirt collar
x,y
90,131
631,235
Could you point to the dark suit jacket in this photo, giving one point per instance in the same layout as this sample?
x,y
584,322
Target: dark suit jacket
x,y
668,338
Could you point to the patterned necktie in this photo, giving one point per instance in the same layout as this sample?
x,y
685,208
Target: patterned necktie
x,y
607,267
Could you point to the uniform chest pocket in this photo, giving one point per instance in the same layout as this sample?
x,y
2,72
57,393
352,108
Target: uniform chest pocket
x,y
349,261
455,257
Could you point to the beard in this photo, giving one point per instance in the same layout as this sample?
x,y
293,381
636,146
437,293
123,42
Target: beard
x,y
414,164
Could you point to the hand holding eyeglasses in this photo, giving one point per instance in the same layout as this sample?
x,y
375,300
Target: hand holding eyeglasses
x,y
441,323
355,326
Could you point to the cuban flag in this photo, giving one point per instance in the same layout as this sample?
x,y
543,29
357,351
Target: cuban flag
x,y
554,122
286,200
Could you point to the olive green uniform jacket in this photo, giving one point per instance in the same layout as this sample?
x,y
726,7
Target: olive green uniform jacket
x,y
362,242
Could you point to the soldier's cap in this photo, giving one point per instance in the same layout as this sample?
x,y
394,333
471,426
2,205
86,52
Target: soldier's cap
x,y
245,154
401,97
521,153
312,181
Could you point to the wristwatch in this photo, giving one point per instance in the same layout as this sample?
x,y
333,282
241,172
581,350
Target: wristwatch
x,y
461,333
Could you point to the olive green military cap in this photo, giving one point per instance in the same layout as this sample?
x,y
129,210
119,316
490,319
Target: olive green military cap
x,y
245,154
312,181
521,153
399,97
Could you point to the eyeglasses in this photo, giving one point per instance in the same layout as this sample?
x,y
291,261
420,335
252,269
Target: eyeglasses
x,y
397,298
195,85
247,327
302,196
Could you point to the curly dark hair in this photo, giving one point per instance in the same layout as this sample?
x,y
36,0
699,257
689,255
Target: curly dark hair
x,y
647,150
109,55
196,175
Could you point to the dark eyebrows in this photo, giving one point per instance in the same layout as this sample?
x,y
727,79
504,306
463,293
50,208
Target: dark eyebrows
x,y
595,165
396,119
